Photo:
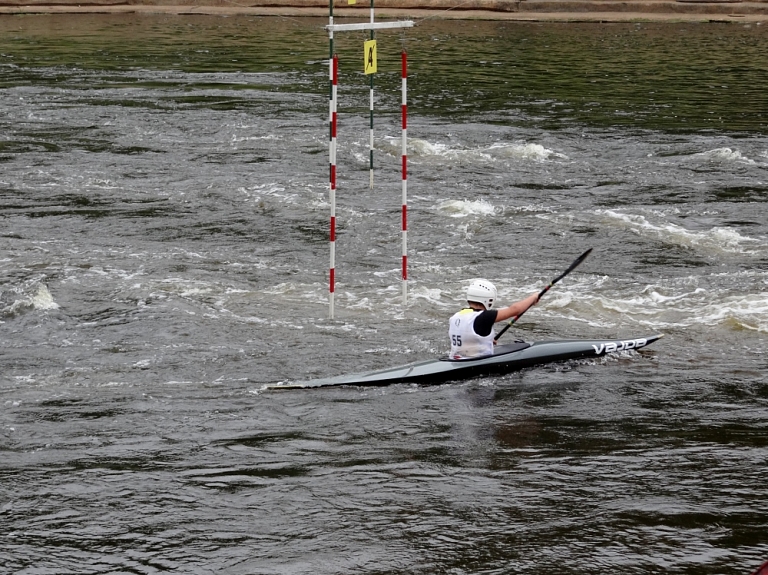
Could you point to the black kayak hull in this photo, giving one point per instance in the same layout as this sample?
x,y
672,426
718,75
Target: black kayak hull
x,y
506,359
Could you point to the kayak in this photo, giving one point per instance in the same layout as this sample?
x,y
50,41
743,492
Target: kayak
x,y
505,359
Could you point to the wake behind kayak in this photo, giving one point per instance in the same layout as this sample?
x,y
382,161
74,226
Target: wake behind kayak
x,y
505,359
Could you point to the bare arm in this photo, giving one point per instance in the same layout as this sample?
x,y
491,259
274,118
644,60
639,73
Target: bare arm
x,y
517,308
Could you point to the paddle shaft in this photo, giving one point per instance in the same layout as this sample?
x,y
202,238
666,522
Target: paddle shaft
x,y
572,267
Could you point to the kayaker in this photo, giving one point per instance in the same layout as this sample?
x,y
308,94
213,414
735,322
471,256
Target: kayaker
x,y
471,329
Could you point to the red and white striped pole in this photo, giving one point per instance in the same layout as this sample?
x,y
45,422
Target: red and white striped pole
x,y
370,143
334,76
405,180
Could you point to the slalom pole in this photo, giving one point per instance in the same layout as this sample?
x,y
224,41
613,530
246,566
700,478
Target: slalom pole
x,y
333,79
334,73
333,97
405,176
373,36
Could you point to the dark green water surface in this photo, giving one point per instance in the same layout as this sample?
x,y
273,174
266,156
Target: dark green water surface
x,y
681,77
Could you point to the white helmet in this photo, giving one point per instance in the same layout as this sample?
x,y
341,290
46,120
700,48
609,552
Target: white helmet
x,y
482,291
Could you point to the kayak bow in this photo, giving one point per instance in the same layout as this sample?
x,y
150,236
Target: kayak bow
x,y
505,359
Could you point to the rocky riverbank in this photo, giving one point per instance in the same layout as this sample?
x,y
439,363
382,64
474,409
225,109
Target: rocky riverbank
x,y
550,10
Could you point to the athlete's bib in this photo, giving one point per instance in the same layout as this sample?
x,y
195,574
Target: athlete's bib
x,y
465,342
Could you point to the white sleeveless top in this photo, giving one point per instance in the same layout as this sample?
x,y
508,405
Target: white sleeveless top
x,y
465,342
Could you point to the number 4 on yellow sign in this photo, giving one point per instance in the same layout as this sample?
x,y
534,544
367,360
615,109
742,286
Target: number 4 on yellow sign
x,y
369,58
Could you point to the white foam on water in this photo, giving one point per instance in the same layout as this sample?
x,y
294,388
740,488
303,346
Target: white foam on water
x,y
287,292
534,152
723,155
282,288
433,296
418,148
43,300
258,192
184,287
33,296
716,240
678,303
748,311
464,208
359,303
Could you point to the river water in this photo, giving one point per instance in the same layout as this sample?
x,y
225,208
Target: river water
x,y
164,256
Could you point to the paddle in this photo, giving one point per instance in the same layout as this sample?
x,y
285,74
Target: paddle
x,y
572,267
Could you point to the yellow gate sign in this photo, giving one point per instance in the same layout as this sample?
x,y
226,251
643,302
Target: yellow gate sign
x,y
369,57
